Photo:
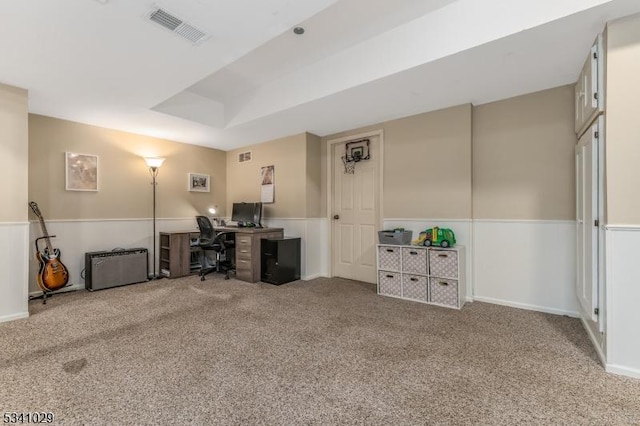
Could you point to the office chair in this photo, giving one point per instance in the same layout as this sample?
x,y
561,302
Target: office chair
x,y
216,242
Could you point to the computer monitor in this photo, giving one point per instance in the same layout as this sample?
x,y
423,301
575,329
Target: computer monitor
x,y
247,214
257,214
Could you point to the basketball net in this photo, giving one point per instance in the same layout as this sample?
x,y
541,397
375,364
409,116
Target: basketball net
x,y
349,165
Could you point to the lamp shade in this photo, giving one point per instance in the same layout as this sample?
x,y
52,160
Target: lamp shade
x,y
154,162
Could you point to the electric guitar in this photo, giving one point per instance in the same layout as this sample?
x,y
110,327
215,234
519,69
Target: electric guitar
x,y
53,275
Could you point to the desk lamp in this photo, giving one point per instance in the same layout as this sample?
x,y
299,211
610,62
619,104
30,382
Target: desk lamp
x,y
212,212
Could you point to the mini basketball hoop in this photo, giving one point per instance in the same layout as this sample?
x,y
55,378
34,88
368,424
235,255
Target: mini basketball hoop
x,y
355,151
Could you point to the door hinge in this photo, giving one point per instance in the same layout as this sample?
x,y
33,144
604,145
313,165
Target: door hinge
x,y
595,96
596,134
595,55
596,311
596,223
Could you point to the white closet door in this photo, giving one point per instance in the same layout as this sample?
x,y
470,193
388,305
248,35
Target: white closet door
x,y
589,100
587,221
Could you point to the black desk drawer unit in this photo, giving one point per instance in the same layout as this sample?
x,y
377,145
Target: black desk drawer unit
x,y
280,260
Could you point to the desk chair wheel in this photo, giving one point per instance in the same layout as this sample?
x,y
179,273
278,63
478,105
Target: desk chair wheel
x,y
201,277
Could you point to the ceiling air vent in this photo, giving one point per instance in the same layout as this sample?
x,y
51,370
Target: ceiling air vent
x,y
244,157
176,25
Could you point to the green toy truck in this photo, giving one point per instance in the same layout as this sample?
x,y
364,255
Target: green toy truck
x,y
443,237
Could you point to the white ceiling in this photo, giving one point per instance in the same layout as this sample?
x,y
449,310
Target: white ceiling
x,y
359,62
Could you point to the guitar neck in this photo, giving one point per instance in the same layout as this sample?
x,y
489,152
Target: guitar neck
x,y
45,233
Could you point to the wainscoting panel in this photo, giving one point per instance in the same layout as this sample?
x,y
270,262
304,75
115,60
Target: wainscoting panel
x,y
461,227
76,237
526,264
314,240
317,261
623,300
14,279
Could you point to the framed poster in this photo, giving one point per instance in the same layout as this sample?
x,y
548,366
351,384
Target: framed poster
x,y
199,183
267,190
81,172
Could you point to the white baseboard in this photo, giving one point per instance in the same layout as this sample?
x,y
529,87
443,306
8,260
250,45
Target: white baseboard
x,y
527,307
312,277
622,371
13,317
594,341
67,289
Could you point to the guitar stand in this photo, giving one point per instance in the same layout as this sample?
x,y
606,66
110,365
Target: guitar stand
x,y
44,296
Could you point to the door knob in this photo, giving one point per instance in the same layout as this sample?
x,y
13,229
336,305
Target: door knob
x,y
336,216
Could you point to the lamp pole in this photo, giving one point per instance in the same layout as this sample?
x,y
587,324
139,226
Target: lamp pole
x,y
154,173
154,164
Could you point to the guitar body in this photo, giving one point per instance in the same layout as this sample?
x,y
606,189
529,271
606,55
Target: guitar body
x,y
52,275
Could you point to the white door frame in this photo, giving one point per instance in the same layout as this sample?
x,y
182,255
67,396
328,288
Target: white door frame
x,y
330,168
599,194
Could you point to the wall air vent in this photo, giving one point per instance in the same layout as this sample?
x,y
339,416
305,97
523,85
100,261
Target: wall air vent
x,y
244,157
176,25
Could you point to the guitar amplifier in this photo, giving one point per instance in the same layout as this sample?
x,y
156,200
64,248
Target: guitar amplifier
x,y
106,269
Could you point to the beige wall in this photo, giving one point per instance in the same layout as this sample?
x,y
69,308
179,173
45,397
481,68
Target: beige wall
x,y
523,157
427,164
123,178
14,156
523,167
427,172
522,151
622,121
288,155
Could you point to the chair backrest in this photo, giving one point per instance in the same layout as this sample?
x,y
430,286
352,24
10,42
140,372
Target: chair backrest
x,y
206,230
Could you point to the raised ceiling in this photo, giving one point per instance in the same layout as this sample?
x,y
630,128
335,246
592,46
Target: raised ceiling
x,y
102,62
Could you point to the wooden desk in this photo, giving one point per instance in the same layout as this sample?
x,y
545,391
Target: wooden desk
x,y
248,249
178,257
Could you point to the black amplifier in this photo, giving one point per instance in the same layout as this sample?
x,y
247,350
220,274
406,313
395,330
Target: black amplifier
x,y
106,269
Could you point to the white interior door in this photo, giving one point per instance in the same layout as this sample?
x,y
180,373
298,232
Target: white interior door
x,y
587,90
355,213
587,211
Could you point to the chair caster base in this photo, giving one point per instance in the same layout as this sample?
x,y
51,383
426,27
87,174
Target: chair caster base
x,y
202,278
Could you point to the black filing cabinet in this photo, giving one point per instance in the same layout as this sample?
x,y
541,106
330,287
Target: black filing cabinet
x,y
280,258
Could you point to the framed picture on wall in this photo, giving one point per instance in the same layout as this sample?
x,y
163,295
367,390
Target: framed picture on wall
x,y
199,183
267,189
81,172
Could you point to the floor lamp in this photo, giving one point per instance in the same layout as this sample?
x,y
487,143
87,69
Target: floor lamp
x,y
154,164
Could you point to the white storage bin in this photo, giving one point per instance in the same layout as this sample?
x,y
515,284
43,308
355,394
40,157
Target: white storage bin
x,y
414,260
444,292
389,283
443,263
389,258
415,287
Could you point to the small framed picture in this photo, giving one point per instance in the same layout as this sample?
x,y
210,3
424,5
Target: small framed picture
x,y
81,172
199,183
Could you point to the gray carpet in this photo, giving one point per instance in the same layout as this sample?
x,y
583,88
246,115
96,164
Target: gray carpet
x,y
328,351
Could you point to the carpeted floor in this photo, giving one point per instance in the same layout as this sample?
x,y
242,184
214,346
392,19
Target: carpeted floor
x,y
328,351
